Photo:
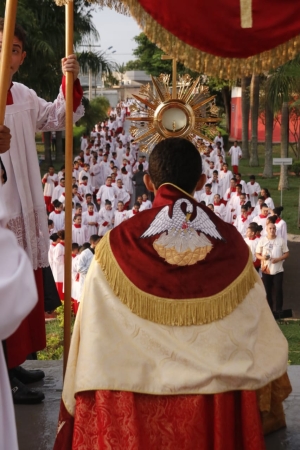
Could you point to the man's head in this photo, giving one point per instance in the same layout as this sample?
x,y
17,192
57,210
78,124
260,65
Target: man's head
x,y
108,205
18,54
217,198
136,206
94,239
176,161
77,219
208,188
90,207
51,170
264,210
120,206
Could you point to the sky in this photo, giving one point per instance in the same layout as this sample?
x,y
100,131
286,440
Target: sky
x,y
118,31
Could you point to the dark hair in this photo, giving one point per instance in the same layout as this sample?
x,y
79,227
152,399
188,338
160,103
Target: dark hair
x,y
140,167
137,204
74,186
94,238
76,216
239,186
54,237
264,205
272,219
56,203
75,246
50,222
19,32
252,177
61,234
177,161
85,246
266,191
253,226
278,210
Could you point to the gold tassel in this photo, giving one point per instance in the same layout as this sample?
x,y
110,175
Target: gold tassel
x,y
165,311
191,57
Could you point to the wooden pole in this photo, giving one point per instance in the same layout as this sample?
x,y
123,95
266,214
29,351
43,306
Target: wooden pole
x,y
68,177
7,43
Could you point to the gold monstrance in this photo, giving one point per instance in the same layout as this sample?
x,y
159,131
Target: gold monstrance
x,y
187,112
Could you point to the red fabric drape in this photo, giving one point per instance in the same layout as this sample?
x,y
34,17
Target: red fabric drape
x,y
30,336
215,27
125,420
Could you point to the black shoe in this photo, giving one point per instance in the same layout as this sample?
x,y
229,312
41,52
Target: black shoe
x,y
24,396
28,376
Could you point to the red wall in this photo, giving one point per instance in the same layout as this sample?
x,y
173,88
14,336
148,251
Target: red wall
x,y
236,122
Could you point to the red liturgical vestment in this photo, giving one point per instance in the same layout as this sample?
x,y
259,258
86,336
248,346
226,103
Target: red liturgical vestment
x,y
169,349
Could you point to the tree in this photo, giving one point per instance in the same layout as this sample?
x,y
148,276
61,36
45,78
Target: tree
x,y
245,83
281,84
96,111
149,59
269,126
134,64
254,112
45,46
44,22
222,89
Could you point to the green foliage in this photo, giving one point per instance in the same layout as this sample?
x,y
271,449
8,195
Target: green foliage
x,y
296,168
291,331
149,59
55,337
96,111
44,23
78,131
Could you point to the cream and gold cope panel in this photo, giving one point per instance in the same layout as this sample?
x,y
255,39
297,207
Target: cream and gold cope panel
x,y
114,349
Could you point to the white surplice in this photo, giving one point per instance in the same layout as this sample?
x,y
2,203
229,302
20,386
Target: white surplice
x,y
22,193
18,296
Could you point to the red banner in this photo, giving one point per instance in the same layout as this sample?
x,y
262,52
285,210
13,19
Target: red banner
x,y
215,26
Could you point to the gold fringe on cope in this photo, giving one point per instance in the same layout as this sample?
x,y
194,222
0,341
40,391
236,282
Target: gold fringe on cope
x,y
165,311
197,60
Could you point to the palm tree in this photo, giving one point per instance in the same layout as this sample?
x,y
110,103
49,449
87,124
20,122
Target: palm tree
x,y
245,83
45,46
281,83
269,125
121,69
93,63
254,112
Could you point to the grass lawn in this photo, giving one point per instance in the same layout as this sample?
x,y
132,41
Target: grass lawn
x,y
291,330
